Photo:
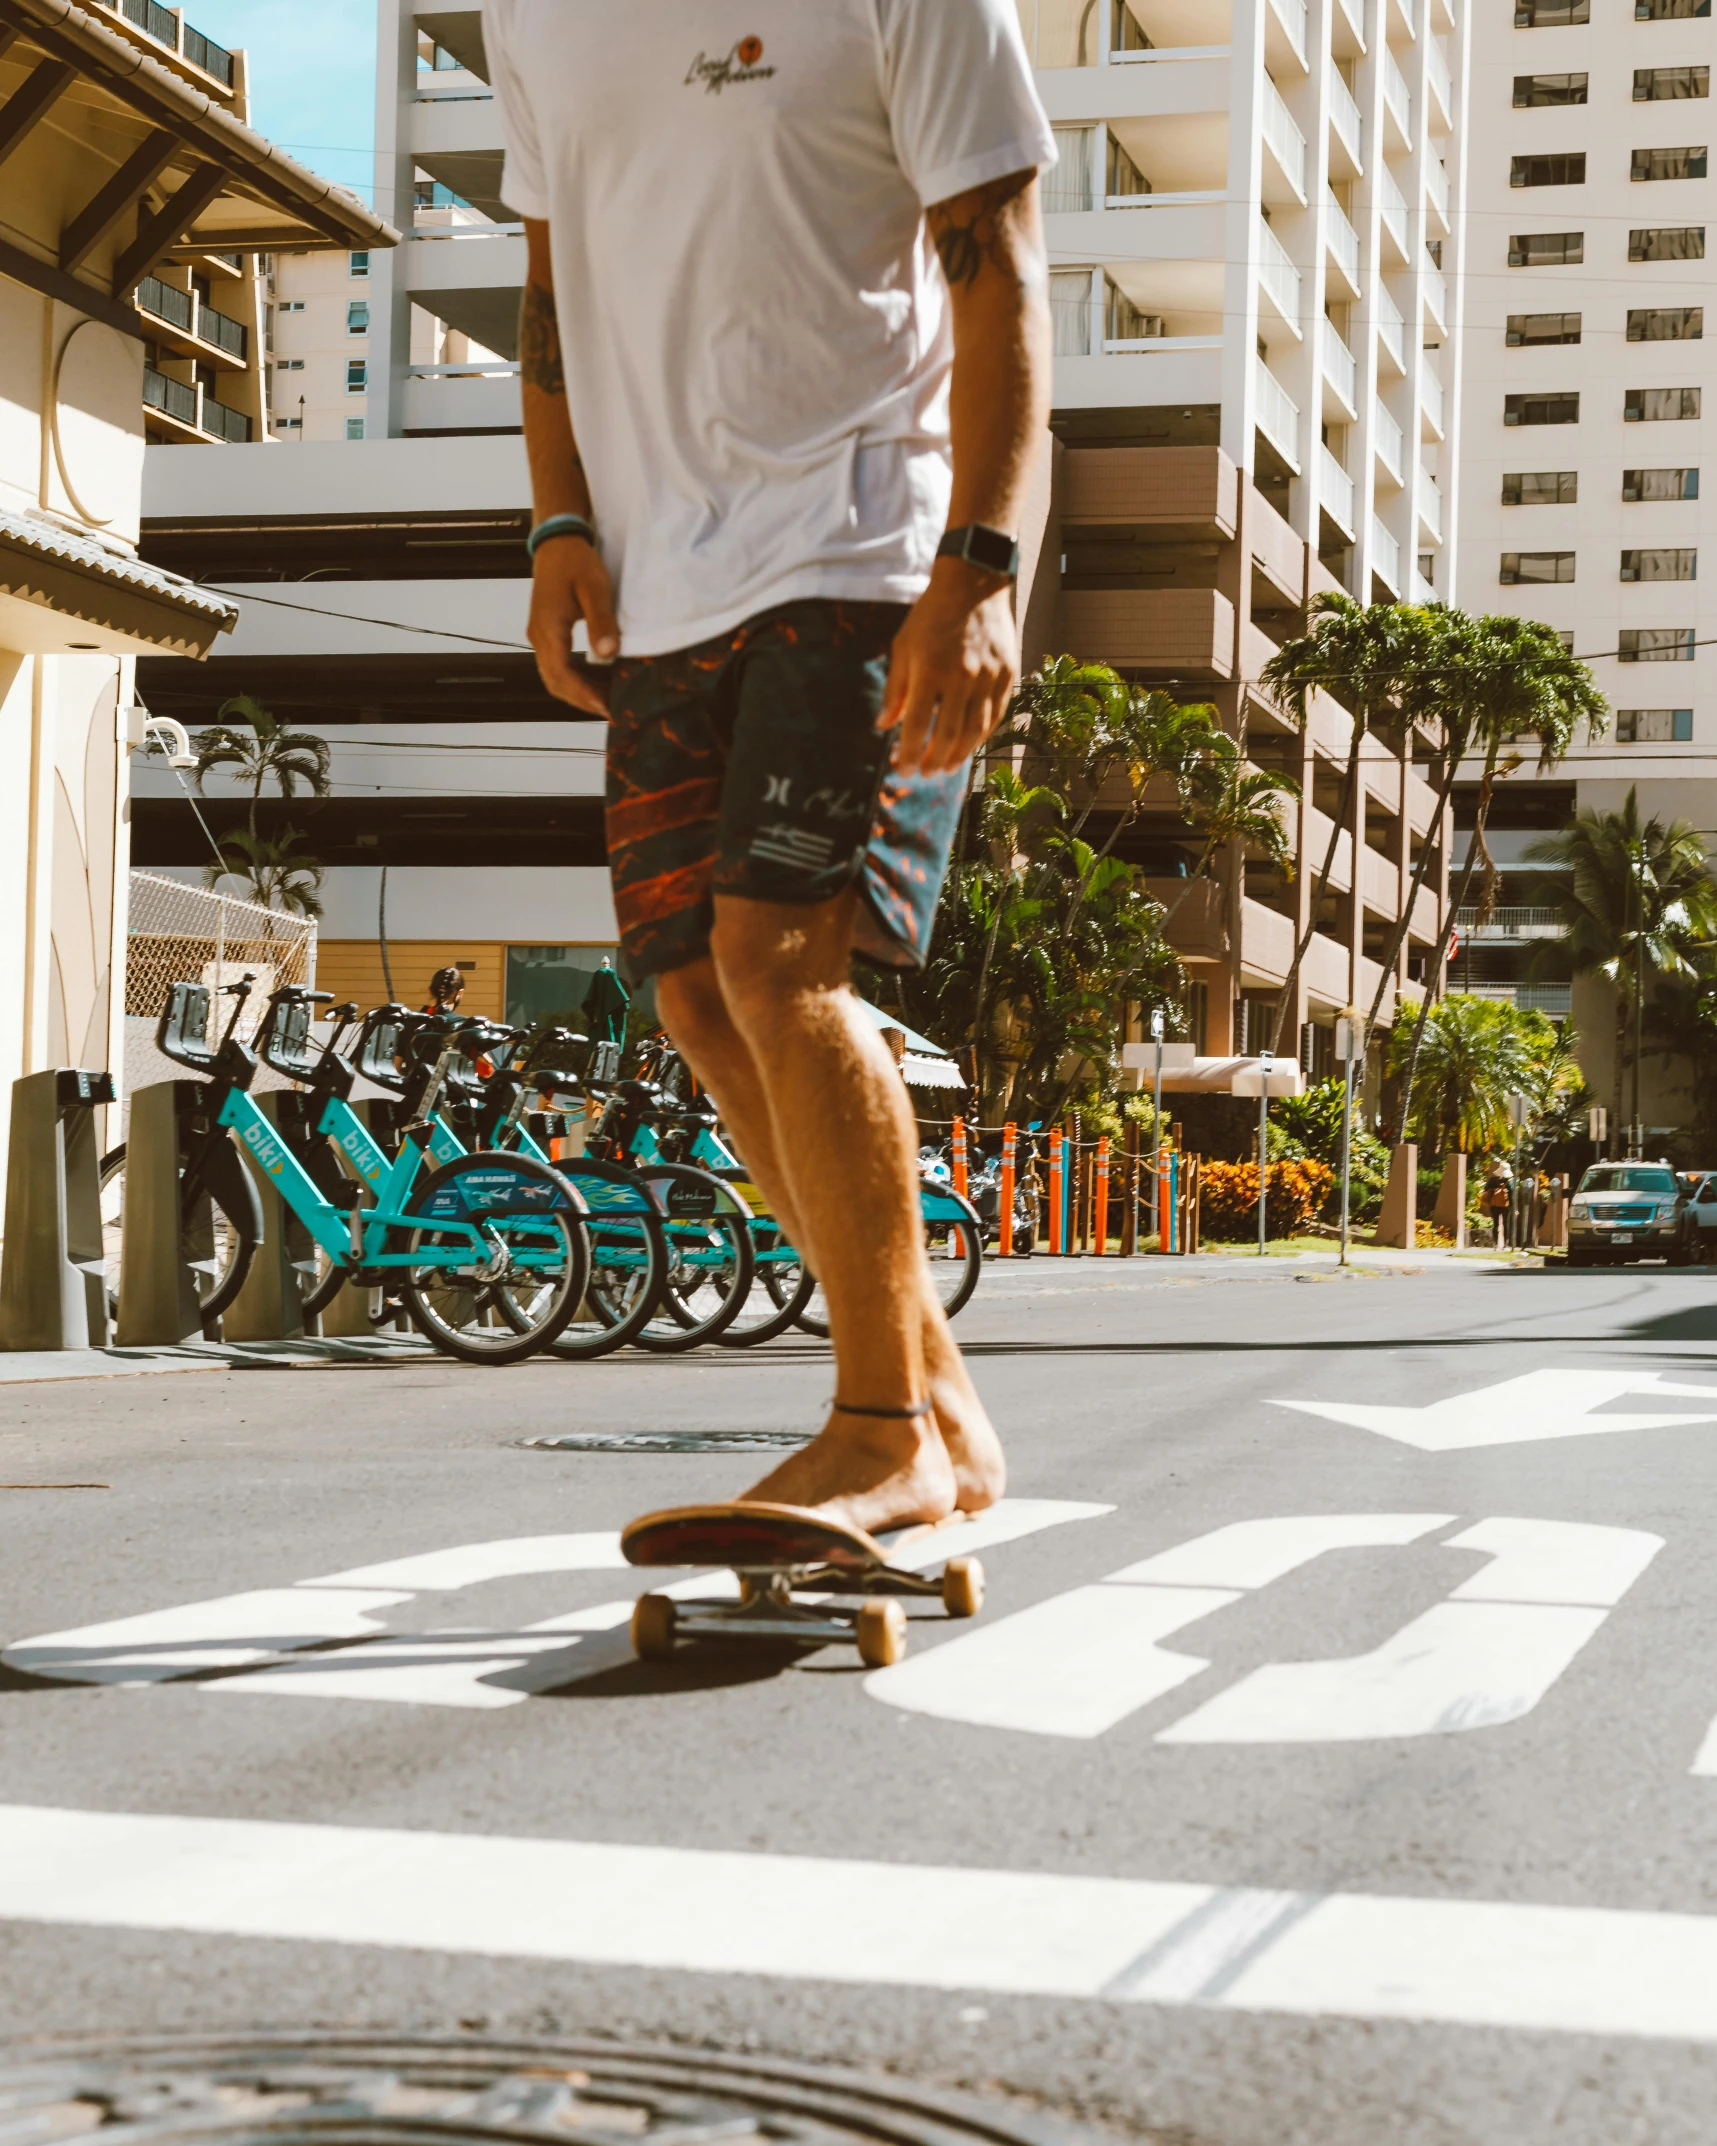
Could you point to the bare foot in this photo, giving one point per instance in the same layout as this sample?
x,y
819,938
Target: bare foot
x,y
870,1472
974,1450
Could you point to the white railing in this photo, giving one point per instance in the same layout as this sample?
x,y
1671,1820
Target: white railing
x,y
1406,8
1385,555
1341,368
1431,396
1392,207
1353,11
1291,14
1344,113
442,233
1341,239
1284,140
1437,185
1396,94
1337,489
1277,273
1278,414
1511,924
1386,438
1391,328
466,369
1431,505
1442,82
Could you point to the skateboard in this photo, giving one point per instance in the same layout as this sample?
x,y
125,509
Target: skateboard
x,y
778,1553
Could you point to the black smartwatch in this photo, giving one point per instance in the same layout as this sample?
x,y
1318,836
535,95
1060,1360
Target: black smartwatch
x,y
991,551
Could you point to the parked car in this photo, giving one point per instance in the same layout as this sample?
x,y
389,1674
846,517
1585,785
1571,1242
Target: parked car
x,y
1702,1215
1625,1211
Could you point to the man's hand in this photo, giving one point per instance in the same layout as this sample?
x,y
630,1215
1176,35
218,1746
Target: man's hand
x,y
569,582
953,669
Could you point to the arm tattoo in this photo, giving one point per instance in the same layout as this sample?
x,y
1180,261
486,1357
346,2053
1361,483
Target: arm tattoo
x,y
539,342
979,228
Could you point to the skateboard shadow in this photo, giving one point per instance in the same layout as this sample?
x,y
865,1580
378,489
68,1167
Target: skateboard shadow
x,y
705,1667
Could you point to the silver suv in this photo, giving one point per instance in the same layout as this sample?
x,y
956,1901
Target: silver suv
x,y
1629,1210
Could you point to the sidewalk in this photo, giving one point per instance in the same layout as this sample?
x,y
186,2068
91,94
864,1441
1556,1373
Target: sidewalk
x,y
20,1367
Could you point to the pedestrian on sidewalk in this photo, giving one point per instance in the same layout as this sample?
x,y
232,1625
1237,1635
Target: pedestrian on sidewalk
x,y
1499,1198
785,363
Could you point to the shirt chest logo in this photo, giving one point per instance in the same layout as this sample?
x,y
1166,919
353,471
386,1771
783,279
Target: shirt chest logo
x,y
742,63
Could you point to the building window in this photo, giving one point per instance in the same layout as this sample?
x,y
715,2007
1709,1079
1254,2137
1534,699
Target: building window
x,y
357,376
1671,565
358,317
358,264
1660,484
1666,324
1534,90
354,428
290,305
1562,409
1070,311
1670,10
1536,567
1655,85
1654,726
1527,330
1649,164
1125,323
1541,488
1656,644
1568,169
289,424
1550,14
1659,405
1547,249
1683,242
289,365
1067,187
1123,177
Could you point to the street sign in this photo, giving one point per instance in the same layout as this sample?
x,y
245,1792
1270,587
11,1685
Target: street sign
x,y
1597,1124
1349,1038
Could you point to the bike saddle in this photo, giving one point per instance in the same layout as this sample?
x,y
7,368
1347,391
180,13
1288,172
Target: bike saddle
x,y
283,1041
182,1033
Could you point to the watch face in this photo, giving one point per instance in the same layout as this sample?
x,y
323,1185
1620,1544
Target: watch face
x,y
991,549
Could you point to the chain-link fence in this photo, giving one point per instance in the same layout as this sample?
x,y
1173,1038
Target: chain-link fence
x,y
185,934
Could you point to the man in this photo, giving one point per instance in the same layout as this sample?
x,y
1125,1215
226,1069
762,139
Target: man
x,y
784,333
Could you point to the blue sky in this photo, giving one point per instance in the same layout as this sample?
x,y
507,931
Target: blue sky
x,y
312,77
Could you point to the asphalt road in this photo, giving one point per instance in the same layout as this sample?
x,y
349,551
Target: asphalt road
x,y
1316,1773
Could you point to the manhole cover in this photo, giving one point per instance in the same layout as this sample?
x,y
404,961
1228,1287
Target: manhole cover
x,y
668,1441
342,2090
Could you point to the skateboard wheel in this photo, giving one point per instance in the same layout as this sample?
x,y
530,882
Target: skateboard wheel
x,y
962,1587
653,1620
881,1634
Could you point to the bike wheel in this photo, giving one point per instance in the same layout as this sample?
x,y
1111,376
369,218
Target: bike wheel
x,y
513,1291
629,1263
710,1262
781,1290
218,1238
953,1250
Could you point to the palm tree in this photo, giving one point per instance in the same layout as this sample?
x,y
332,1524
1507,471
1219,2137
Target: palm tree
x,y
261,753
1231,802
1637,901
1507,679
1011,810
1476,1053
276,873
1367,656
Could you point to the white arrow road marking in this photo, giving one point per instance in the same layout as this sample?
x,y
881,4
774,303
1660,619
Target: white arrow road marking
x,y
465,1668
1079,1663
1538,1404
1363,1956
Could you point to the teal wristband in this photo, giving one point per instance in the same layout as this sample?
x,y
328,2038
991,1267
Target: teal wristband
x,y
559,525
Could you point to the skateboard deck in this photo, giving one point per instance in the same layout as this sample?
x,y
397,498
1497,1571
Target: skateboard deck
x,y
779,1554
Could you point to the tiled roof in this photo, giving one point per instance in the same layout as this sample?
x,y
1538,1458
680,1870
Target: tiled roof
x,y
47,540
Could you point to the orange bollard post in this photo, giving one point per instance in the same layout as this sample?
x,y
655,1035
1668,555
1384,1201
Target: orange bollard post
x,y
1055,1192
958,1174
1100,1231
1005,1219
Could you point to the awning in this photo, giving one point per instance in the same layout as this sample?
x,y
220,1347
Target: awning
x,y
1185,1073
924,1064
61,593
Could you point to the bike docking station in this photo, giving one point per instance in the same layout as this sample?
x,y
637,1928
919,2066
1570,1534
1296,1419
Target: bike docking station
x,y
53,1288
158,1305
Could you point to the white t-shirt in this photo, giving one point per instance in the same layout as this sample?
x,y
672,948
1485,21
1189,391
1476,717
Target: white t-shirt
x,y
754,322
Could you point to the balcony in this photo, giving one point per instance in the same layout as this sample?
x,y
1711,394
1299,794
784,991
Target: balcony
x,y
1266,947
1441,81
1431,505
1337,488
1291,14
1436,292
1397,100
1278,553
1284,140
1278,277
1391,329
1385,557
1327,972
1172,491
1183,632
1197,928
1345,123
1392,210
1341,373
1379,883
1510,926
1341,241
1432,425
470,276
1278,415
184,411
1316,828
462,398
1386,440
186,325
167,26
1349,25
1437,189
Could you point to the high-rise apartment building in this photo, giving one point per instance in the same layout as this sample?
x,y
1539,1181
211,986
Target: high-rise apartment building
x,y
1586,368
1254,229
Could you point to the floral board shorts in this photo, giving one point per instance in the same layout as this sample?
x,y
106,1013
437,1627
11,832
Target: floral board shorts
x,y
752,765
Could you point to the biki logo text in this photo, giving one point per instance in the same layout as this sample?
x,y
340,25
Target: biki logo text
x,y
743,63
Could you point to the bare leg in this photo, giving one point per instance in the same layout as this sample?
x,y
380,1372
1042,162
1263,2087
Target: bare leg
x,y
696,1015
817,1106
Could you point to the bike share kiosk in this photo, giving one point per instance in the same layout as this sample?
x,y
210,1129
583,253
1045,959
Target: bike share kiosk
x,y
53,1288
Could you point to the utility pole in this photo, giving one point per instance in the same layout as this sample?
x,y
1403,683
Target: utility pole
x,y
1265,1059
1350,1048
1157,1026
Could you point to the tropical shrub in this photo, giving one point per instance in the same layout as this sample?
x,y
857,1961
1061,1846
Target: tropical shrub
x,y
1228,1198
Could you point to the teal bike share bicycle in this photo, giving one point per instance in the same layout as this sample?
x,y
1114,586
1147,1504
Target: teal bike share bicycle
x,y
488,1253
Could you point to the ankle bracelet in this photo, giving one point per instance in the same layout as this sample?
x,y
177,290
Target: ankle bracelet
x,y
851,1408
